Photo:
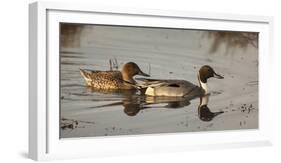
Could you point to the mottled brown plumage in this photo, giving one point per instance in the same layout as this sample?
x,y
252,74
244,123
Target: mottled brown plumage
x,y
113,79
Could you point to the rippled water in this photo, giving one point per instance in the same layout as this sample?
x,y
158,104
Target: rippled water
x,y
165,54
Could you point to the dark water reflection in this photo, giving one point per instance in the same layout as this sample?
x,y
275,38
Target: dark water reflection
x,y
134,103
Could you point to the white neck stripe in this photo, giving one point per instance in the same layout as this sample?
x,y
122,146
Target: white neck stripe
x,y
203,85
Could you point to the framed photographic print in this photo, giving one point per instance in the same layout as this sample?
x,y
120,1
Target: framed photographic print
x,y
111,81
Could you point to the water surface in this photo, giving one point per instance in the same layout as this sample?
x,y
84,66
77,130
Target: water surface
x,y
165,54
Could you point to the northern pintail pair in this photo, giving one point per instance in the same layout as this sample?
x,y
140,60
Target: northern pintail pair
x,y
150,87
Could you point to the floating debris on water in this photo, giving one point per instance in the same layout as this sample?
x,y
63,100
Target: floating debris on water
x,y
72,124
113,64
246,108
69,124
216,92
252,83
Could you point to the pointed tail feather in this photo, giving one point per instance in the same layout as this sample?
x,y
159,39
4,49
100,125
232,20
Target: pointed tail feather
x,y
85,74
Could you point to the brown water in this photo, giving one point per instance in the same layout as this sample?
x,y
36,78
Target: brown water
x,y
165,54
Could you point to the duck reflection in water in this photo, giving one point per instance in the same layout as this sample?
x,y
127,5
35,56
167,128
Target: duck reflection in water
x,y
133,106
134,103
204,112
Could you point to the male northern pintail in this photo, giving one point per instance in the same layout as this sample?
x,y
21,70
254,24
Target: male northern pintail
x,y
156,87
113,79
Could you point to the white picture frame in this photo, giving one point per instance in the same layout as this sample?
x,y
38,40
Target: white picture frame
x,y
44,141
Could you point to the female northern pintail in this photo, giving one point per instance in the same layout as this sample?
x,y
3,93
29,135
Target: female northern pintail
x,y
155,87
113,79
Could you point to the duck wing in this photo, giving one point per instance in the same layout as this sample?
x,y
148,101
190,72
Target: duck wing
x,y
157,87
102,79
155,82
99,75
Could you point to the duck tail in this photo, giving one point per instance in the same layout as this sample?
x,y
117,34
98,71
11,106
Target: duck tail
x,y
85,74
